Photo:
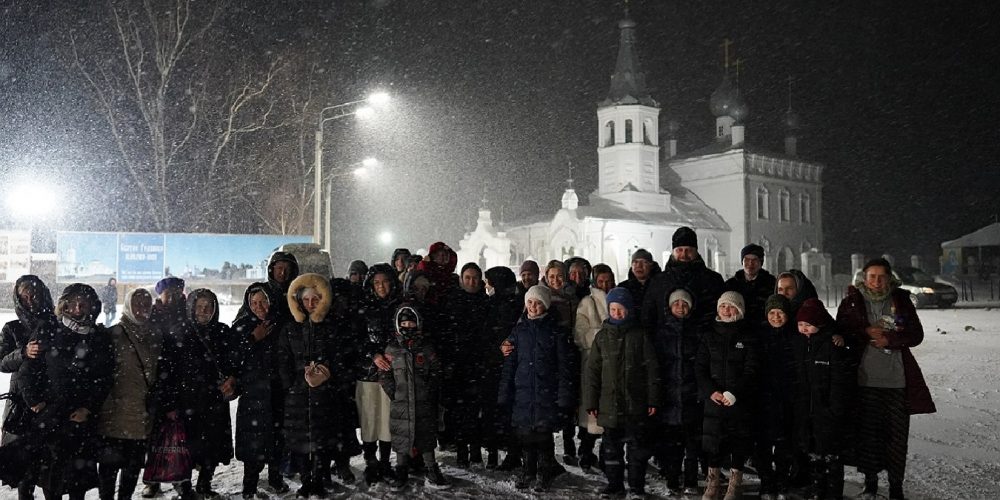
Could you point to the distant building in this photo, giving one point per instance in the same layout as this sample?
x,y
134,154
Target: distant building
x,y
731,192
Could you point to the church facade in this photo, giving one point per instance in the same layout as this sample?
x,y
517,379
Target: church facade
x,y
730,192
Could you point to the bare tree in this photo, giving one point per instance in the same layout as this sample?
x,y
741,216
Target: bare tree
x,y
175,116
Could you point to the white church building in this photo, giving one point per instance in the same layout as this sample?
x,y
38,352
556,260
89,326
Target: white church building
x,y
730,192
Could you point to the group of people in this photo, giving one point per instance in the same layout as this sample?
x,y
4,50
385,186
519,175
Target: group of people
x,y
672,364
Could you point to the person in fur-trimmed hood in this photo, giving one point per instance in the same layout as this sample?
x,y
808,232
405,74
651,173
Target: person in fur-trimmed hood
x,y
316,379
413,385
880,325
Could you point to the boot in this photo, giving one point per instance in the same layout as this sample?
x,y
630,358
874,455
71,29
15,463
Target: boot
x,y
373,473
896,491
204,486
569,447
712,484
185,491
587,461
475,455
735,490
691,477
615,472
511,461
435,478
871,487
400,475
462,455
637,478
150,490
835,479
492,458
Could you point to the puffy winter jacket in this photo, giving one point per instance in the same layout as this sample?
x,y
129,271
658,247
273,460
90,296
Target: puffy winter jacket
x,y
727,361
538,380
824,381
413,386
623,377
676,342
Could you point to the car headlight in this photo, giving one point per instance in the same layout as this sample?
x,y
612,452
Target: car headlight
x,y
927,290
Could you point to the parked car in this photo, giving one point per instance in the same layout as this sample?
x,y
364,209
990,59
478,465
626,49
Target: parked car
x,y
924,289
311,258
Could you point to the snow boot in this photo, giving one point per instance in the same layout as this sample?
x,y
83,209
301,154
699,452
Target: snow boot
x,y
615,472
475,455
637,478
150,490
400,475
587,461
435,478
735,489
691,477
492,458
712,481
462,455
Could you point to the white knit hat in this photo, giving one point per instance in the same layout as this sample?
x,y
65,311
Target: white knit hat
x,y
539,293
734,299
680,294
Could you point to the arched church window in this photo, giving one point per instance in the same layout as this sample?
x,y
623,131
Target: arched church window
x,y
628,131
762,203
805,209
784,206
609,133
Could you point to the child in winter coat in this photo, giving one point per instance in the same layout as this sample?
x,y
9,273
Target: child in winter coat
x,y
774,399
622,391
676,342
537,383
727,367
824,377
413,385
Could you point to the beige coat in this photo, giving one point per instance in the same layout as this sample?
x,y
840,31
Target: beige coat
x,y
590,315
123,415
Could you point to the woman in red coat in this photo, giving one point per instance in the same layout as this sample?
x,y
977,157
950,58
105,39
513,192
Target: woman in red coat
x,y
880,322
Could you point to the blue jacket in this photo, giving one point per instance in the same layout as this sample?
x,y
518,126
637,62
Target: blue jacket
x,y
538,380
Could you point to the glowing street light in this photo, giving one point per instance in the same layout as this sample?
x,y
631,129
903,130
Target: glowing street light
x,y
31,201
359,171
385,237
379,99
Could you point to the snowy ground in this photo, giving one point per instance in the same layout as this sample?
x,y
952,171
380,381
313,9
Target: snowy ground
x,y
954,453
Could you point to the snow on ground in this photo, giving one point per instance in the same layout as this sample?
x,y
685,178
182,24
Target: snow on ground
x,y
954,453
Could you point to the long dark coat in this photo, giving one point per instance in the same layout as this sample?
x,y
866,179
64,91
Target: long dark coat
x,y
776,381
462,390
15,337
824,380
727,361
196,360
74,371
852,319
413,386
538,380
676,342
314,416
503,309
260,413
623,377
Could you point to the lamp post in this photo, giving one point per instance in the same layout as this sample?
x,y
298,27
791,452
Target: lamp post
x,y
357,169
376,99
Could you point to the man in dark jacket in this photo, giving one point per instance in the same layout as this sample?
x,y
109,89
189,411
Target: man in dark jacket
x,y
753,282
641,272
687,270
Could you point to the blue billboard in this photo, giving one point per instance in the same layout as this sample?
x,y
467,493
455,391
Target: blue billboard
x,y
147,257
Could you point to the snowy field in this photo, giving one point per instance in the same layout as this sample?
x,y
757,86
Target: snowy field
x,y
954,453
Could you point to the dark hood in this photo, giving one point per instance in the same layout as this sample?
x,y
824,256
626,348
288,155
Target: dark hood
x,y
44,298
397,252
193,298
245,313
368,287
502,279
84,290
282,257
806,289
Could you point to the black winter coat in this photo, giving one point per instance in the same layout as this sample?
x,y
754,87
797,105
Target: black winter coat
x,y
776,381
15,337
380,319
462,389
503,310
825,379
755,293
676,342
538,380
727,361
260,412
623,377
197,359
704,284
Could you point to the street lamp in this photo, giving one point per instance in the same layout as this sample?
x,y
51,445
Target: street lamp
x,y
376,99
31,201
357,169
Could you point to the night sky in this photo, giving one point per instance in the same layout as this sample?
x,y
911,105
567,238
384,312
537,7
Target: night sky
x,y
899,104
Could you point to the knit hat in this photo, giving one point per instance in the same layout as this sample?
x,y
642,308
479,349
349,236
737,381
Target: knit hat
x,y
168,282
752,249
813,312
529,265
357,267
680,294
685,237
620,295
778,302
540,293
734,299
642,253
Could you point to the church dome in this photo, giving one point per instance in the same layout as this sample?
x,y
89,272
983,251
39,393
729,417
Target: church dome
x,y
739,110
724,98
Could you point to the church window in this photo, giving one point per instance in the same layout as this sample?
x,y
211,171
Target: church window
x,y
628,131
784,206
609,133
805,209
762,203
646,126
